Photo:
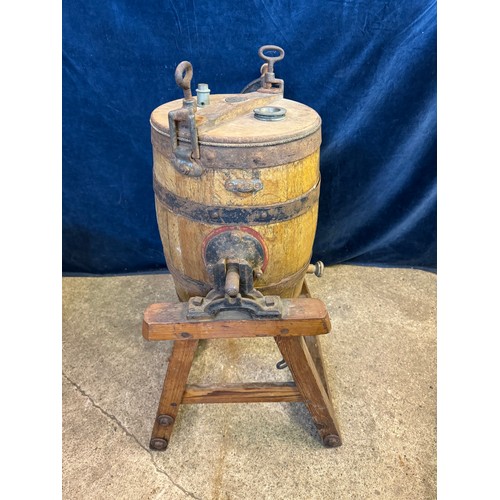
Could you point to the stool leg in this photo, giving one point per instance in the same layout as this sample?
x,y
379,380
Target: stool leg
x,y
308,380
173,389
313,343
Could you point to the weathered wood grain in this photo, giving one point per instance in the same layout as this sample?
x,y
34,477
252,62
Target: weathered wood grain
x,y
302,316
314,346
173,390
308,380
242,393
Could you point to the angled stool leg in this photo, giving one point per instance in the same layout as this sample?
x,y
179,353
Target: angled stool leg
x,y
173,389
308,380
314,345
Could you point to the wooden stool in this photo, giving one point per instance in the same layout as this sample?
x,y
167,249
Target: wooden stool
x,y
295,334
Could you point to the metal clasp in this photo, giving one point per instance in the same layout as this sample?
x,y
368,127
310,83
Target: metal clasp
x,y
185,154
270,83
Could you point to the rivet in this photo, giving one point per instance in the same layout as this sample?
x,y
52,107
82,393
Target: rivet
x,y
158,444
165,420
332,441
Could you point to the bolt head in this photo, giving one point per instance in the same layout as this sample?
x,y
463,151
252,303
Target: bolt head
x,y
319,268
158,444
165,420
258,272
269,301
332,441
197,301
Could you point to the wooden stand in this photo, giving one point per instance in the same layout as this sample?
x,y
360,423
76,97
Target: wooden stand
x,y
295,334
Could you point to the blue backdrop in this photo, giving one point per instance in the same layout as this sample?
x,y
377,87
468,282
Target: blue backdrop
x,y
367,67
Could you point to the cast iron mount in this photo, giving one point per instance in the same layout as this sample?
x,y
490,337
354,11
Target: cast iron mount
x,y
232,258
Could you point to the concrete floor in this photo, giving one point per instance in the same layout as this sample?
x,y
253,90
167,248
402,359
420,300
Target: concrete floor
x,y
380,361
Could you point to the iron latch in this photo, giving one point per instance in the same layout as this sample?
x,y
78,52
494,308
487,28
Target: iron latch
x,y
185,154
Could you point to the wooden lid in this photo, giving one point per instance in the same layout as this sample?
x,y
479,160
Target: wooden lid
x,y
229,120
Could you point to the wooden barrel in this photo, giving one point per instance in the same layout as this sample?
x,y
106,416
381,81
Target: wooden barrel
x,y
258,176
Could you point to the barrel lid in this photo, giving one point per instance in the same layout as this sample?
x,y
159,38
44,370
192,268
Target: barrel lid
x,y
230,120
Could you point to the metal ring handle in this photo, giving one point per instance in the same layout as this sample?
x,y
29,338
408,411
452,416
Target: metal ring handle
x,y
183,76
269,113
269,59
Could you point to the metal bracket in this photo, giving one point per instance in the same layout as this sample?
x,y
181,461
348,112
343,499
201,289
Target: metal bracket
x,y
185,155
232,257
267,82
255,307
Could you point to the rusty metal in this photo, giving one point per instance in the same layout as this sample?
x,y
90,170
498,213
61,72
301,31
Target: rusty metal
x,y
250,307
316,269
247,215
231,257
270,83
234,294
165,420
235,243
258,83
158,444
183,77
244,185
185,154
